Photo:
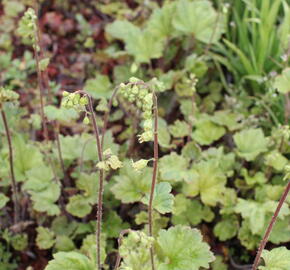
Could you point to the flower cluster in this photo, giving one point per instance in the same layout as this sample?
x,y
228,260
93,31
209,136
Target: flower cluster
x,y
77,102
7,95
137,92
27,26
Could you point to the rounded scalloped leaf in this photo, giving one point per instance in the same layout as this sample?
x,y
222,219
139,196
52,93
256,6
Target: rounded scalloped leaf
x,y
182,248
282,82
276,259
251,143
70,260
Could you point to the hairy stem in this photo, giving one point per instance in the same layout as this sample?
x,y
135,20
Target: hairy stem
x,y
12,175
191,118
101,182
101,178
37,47
270,227
154,176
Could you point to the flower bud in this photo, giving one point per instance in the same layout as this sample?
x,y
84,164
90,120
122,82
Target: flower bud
x,y
83,101
147,114
76,99
134,80
135,89
65,93
148,125
146,136
140,164
86,120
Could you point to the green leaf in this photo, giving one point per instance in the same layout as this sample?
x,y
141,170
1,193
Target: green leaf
x,y
44,190
276,259
282,82
89,184
12,8
122,30
256,212
172,167
74,147
182,249
130,186
71,147
45,200
27,157
247,238
218,264
257,178
163,134
45,238
19,241
159,221
78,206
99,87
207,179
88,248
60,114
226,118
227,228
191,151
207,132
179,129
143,45
226,162
38,178
61,226
189,212
163,199
244,59
276,160
160,22
3,200
70,260
113,225
281,230
251,143
64,243
200,19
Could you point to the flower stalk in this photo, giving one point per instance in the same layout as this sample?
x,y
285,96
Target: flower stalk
x,y
154,176
101,176
12,174
270,227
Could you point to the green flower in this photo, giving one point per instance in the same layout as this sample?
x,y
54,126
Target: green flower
x,y
140,164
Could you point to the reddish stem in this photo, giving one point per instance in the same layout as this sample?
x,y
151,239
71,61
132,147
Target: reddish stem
x,y
14,184
101,181
39,75
154,176
270,227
